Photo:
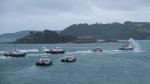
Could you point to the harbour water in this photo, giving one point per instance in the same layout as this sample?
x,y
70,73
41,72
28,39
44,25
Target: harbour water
x,y
109,67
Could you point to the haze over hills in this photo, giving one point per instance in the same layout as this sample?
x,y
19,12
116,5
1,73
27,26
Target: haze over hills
x,y
9,37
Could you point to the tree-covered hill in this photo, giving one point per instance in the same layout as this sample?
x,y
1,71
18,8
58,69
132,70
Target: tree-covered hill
x,y
137,30
46,36
80,33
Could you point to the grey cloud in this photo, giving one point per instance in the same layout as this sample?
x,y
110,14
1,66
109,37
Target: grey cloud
x,y
122,5
46,6
57,14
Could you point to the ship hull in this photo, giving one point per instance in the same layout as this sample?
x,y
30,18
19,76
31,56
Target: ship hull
x,y
43,64
125,49
15,55
56,52
66,60
97,50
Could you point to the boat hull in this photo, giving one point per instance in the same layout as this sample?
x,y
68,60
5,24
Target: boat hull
x,y
99,50
125,48
66,60
43,64
15,55
56,52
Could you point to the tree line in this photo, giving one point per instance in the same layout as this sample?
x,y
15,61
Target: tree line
x,y
46,36
137,30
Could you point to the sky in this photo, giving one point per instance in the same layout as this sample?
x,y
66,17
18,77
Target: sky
x,y
17,15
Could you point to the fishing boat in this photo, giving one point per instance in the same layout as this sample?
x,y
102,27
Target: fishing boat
x,y
128,46
97,50
15,53
44,61
69,58
56,50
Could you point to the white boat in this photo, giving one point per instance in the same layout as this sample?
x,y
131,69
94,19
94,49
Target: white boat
x,y
97,50
44,61
69,58
56,50
15,53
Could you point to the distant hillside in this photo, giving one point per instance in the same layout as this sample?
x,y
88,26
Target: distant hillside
x,y
137,30
46,36
9,37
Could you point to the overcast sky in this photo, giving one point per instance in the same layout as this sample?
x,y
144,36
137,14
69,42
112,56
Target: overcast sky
x,y
16,15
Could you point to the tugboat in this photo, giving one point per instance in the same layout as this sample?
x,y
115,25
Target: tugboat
x,y
56,51
69,58
97,50
44,61
128,46
15,53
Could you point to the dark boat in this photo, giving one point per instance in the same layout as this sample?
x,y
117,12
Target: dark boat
x,y
125,48
56,51
15,53
44,61
97,50
69,58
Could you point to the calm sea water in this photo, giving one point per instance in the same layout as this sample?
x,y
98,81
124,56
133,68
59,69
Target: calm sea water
x,y
108,67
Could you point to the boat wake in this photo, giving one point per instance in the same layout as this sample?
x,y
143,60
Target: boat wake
x,y
137,47
81,52
34,54
2,53
30,51
112,51
119,51
2,57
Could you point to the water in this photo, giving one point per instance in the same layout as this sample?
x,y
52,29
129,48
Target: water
x,y
109,67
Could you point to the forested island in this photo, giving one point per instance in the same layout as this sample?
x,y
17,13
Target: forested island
x,y
46,36
85,33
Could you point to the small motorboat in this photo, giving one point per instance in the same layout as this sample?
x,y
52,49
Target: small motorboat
x,y
15,53
97,50
56,51
128,46
69,58
44,61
